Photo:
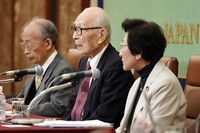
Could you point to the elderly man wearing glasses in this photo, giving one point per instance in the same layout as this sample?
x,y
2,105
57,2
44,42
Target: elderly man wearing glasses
x,y
102,98
38,42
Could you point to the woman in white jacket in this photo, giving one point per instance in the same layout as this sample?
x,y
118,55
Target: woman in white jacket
x,y
156,97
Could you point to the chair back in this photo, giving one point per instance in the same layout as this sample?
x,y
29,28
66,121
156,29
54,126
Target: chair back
x,y
192,87
74,57
192,93
171,63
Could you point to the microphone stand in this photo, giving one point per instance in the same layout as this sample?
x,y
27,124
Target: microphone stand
x,y
17,79
195,124
154,130
7,80
36,100
39,97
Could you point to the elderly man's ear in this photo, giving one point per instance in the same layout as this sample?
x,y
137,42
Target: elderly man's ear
x,y
102,35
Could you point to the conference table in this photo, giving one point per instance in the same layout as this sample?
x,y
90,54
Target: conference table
x,y
7,127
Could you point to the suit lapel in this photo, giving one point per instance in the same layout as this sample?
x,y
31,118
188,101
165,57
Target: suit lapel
x,y
158,68
93,83
100,66
48,74
140,103
103,59
131,99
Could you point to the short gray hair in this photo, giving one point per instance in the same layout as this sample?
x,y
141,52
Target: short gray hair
x,y
47,29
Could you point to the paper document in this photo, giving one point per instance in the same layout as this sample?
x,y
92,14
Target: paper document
x,y
8,113
63,123
15,126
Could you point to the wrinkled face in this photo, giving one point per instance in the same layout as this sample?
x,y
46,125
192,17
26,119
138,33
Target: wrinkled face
x,y
87,35
129,60
34,48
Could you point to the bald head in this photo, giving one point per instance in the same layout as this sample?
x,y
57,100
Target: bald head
x,y
97,17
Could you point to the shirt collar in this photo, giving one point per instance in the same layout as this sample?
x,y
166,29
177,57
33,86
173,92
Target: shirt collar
x,y
94,61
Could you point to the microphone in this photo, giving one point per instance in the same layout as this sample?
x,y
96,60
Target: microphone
x,y
38,70
94,73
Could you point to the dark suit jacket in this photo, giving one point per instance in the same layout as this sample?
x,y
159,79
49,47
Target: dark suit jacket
x,y
53,103
107,94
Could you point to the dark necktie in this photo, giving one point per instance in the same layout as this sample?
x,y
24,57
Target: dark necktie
x,y
81,97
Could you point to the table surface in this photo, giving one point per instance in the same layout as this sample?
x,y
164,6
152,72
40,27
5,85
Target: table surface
x,y
16,128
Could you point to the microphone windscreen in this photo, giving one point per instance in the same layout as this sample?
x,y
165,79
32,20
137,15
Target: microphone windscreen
x,y
95,73
39,70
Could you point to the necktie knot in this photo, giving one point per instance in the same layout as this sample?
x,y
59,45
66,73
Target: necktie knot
x,y
38,80
88,67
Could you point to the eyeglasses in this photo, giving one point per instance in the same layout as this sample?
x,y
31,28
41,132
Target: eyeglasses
x,y
28,44
79,29
122,44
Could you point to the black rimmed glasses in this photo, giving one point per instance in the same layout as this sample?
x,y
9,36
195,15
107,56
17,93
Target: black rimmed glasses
x,y
79,29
